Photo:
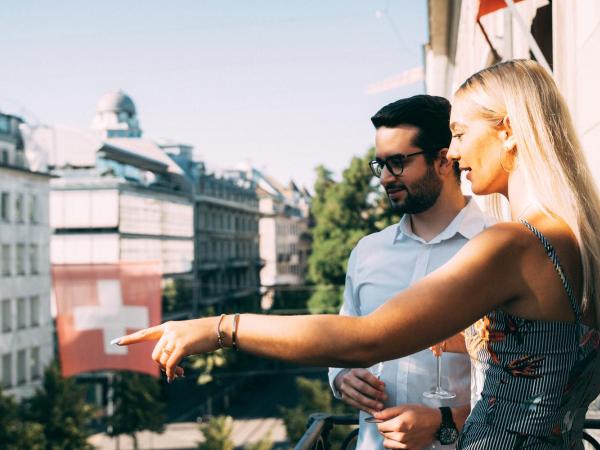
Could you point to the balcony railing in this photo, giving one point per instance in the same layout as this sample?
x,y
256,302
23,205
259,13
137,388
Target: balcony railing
x,y
320,425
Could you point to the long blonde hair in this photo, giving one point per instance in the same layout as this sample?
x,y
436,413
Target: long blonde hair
x,y
550,156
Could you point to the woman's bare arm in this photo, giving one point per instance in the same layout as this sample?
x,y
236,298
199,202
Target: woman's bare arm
x,y
483,275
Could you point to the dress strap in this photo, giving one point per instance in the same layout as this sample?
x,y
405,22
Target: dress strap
x,y
561,273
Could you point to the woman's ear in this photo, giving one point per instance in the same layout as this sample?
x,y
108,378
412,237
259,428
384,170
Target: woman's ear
x,y
507,134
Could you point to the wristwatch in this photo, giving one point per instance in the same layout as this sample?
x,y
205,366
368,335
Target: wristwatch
x,y
447,433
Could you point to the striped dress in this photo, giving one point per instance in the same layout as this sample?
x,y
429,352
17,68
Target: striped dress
x,y
539,377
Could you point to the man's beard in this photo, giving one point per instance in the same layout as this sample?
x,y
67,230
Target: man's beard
x,y
420,195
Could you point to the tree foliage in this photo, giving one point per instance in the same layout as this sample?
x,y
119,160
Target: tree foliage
x,y
217,434
16,433
60,411
137,405
343,212
263,444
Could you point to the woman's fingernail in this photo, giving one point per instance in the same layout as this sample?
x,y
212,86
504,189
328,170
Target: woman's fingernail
x,y
379,406
116,341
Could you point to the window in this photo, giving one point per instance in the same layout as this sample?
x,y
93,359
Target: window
x,y
5,158
21,367
6,315
21,313
35,363
33,209
19,209
5,206
20,157
33,259
34,311
6,260
20,259
6,370
4,124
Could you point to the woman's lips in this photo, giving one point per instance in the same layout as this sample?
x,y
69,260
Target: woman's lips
x,y
468,170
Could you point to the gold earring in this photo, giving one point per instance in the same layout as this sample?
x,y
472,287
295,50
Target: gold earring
x,y
512,167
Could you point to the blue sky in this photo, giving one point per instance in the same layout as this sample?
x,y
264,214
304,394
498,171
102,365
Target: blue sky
x,y
280,83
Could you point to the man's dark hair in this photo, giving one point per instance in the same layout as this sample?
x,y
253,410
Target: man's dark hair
x,y
429,113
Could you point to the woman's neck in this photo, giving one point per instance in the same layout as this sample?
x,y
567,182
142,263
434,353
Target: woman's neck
x,y
519,199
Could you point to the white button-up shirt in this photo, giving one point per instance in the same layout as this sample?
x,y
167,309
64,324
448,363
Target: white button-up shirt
x,y
380,266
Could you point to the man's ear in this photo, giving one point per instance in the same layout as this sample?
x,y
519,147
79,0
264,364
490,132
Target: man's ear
x,y
445,162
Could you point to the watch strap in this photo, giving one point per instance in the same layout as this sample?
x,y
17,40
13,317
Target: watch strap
x,y
447,419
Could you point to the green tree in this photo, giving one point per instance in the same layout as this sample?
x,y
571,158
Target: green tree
x,y
343,213
59,407
15,433
217,434
137,405
315,396
264,444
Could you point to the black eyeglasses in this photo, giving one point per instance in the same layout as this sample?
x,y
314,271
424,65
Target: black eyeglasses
x,y
394,163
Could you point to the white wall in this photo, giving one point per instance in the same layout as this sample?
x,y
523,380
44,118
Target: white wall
x,y
84,208
28,285
576,49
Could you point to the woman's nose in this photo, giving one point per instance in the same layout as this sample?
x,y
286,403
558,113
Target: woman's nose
x,y
453,153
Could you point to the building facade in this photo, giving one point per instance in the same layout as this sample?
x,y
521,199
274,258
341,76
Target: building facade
x,y
567,37
227,259
26,330
118,197
283,233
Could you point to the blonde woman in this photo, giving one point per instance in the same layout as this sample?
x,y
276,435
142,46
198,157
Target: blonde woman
x,y
527,291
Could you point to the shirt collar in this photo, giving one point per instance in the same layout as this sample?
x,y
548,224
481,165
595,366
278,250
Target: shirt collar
x,y
469,222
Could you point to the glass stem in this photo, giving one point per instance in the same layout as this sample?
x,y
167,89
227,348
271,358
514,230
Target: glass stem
x,y
439,374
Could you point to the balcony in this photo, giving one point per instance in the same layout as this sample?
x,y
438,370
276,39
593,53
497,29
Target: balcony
x,y
320,425
237,262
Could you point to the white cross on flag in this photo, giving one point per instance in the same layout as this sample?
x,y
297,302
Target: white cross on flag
x,y
96,303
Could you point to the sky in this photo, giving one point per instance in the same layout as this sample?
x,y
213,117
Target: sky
x,y
282,84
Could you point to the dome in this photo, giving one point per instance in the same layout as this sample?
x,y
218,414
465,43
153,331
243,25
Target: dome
x,y
116,101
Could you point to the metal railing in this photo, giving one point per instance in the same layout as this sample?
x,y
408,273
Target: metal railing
x,y
320,425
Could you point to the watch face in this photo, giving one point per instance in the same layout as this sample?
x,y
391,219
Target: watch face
x,y
447,435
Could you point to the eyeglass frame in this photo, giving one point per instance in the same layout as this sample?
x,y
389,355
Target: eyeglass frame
x,y
384,162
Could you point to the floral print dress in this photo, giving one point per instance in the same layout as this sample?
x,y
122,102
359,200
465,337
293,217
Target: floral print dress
x,y
539,377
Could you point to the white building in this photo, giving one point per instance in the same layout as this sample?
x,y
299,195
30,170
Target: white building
x,y
566,32
119,197
283,232
26,345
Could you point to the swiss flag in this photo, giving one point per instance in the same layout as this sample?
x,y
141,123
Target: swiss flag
x,y
489,6
96,303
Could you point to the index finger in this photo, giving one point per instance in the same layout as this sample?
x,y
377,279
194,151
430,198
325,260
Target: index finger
x,y
369,378
388,415
147,334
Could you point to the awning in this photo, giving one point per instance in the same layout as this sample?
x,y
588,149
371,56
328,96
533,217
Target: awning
x,y
489,6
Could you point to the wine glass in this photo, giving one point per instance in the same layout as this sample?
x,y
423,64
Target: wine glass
x,y
438,392
376,370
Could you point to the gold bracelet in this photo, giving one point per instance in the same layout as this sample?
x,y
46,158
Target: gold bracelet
x,y
236,321
220,334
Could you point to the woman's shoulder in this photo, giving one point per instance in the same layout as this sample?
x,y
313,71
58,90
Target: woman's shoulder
x,y
531,232
555,232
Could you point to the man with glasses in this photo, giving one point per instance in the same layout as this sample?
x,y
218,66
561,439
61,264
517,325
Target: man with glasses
x,y
412,139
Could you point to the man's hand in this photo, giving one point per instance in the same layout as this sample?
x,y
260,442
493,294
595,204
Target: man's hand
x,y
411,426
361,389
